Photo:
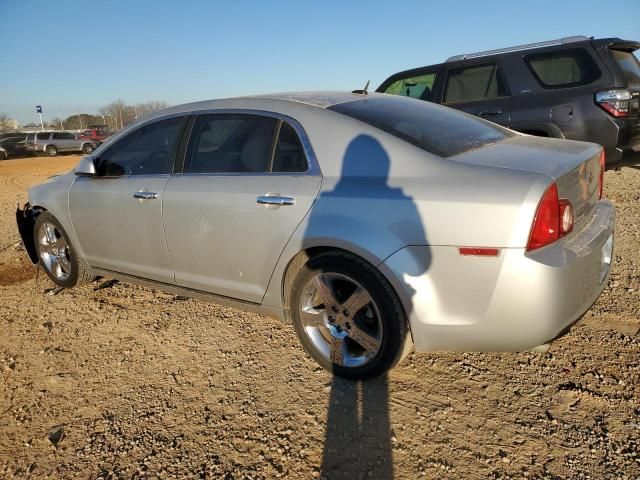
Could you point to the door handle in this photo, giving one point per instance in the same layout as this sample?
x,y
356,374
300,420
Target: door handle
x,y
488,113
146,195
275,200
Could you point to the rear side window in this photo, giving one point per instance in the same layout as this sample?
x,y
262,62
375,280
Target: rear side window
x,y
431,127
474,83
564,68
145,151
44,136
30,137
289,155
629,65
58,136
420,87
230,143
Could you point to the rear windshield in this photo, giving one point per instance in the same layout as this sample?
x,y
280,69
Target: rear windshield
x,y
439,130
629,65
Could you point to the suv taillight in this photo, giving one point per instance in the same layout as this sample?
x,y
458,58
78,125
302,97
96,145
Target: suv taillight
x,y
615,102
601,182
553,220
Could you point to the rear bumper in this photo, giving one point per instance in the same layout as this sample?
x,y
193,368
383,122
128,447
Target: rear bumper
x,y
512,302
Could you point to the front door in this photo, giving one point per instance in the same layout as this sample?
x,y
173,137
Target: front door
x,y
117,214
246,186
479,90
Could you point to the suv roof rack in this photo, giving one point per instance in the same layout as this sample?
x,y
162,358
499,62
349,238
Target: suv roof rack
x,y
528,46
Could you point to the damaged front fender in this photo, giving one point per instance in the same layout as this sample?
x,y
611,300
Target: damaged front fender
x,y
26,219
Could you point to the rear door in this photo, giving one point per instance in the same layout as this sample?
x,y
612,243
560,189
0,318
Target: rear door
x,y
247,183
480,90
117,214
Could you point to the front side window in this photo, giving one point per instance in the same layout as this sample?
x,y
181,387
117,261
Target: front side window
x,y
230,143
436,129
420,87
564,68
474,83
149,150
68,136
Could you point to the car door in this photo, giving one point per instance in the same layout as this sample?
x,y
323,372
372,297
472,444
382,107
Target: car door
x,y
479,90
117,213
246,184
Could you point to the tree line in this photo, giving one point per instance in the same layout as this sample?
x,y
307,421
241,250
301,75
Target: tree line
x,y
115,115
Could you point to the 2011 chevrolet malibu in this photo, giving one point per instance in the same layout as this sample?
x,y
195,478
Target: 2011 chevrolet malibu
x,y
371,222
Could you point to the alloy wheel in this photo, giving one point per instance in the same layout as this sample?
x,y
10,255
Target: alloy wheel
x,y
54,251
341,319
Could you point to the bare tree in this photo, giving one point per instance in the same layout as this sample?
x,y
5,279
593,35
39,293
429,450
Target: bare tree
x,y
118,114
146,108
5,122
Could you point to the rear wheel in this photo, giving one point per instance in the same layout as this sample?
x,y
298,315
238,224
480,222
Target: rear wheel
x,y
87,148
347,316
51,151
57,256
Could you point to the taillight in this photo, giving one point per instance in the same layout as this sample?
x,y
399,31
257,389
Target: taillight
x,y
601,180
615,102
553,220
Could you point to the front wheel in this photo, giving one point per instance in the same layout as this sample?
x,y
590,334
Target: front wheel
x,y
347,316
57,256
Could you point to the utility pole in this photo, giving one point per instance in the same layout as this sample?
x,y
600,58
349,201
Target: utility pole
x,y
39,110
80,117
60,119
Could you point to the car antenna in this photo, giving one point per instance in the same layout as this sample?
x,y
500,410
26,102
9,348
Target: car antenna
x,y
363,91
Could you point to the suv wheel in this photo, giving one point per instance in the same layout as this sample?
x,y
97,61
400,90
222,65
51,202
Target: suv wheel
x,y
57,256
347,316
51,151
87,148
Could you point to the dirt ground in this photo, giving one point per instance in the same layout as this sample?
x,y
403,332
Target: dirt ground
x,y
150,385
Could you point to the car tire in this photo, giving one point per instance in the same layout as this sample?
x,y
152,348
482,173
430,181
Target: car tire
x,y
58,257
51,151
87,148
359,344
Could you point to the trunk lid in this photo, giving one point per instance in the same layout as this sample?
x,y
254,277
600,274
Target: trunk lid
x,y
575,166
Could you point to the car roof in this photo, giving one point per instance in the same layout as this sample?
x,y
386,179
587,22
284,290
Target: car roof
x,y
283,100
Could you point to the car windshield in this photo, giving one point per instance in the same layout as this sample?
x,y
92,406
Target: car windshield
x,y
439,130
629,65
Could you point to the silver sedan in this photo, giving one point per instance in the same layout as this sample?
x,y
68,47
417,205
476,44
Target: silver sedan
x,y
371,222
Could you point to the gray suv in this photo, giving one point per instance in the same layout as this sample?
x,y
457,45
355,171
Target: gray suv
x,y
577,88
53,143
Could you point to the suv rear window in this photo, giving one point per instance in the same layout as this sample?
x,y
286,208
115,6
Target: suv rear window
x,y
629,65
564,68
433,128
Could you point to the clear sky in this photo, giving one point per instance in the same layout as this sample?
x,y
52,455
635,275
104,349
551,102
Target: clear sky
x,y
72,55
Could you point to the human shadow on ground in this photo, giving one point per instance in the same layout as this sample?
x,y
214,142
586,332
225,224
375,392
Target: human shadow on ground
x,y
358,439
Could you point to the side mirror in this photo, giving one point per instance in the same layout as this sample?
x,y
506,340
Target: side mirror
x,y
86,167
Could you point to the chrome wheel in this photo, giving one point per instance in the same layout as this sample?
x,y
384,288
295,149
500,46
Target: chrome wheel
x,y
341,319
54,251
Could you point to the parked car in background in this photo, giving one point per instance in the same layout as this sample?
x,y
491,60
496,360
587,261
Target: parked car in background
x,y
3,154
369,221
576,88
13,143
94,134
52,143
